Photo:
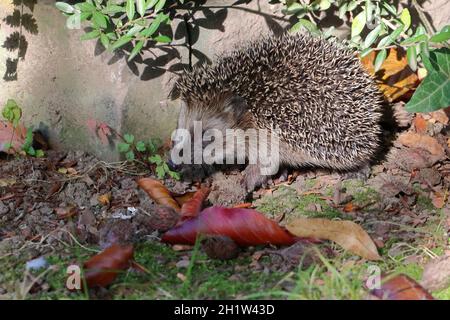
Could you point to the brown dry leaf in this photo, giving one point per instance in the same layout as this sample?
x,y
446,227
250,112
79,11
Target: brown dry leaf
x,y
436,275
401,287
104,199
346,233
395,76
158,192
350,207
420,124
438,199
66,212
441,115
415,140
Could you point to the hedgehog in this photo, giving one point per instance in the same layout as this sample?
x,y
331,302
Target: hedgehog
x,y
326,107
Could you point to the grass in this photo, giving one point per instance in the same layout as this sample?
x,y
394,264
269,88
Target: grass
x,y
340,277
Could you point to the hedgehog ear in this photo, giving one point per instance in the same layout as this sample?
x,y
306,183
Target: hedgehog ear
x,y
235,105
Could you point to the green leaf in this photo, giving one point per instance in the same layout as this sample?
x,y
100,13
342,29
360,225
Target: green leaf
x,y
28,139
160,173
365,52
434,91
136,50
414,39
86,7
140,4
411,55
90,35
129,138
40,153
123,147
130,155
12,112
104,40
440,37
100,20
381,56
30,151
358,24
305,23
135,29
369,10
150,4
390,38
174,175
342,10
372,36
140,146
121,42
156,159
131,9
162,38
405,18
324,4
160,5
113,9
65,7
390,8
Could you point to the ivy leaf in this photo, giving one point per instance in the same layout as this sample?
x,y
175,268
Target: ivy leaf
x,y
358,24
434,91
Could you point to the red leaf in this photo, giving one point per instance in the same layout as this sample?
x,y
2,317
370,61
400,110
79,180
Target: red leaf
x,y
193,206
103,268
401,287
246,227
158,192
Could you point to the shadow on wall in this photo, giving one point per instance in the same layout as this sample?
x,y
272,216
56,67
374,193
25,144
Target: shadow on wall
x,y
192,17
20,20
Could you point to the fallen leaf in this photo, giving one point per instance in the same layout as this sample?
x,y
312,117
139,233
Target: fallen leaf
x,y
10,136
66,212
438,199
243,205
182,198
158,192
441,115
346,233
247,227
103,268
436,274
193,207
401,287
395,77
350,207
415,140
7,182
420,124
104,199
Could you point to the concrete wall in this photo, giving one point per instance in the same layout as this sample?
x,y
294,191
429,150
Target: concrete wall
x,y
61,82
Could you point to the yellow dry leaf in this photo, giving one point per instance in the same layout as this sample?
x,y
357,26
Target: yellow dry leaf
x,y
347,234
415,140
395,77
104,199
7,182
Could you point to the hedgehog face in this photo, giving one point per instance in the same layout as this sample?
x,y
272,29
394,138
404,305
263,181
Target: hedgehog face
x,y
202,123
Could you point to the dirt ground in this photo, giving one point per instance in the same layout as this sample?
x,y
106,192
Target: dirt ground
x,y
62,209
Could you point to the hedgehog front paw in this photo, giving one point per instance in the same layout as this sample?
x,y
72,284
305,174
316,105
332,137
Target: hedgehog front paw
x,y
253,178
